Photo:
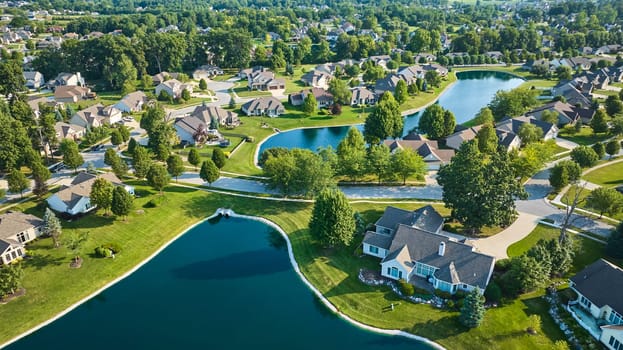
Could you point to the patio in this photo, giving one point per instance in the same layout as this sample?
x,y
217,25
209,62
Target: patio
x,y
422,283
585,319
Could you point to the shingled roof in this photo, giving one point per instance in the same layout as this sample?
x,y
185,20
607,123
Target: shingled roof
x,y
425,218
601,282
13,222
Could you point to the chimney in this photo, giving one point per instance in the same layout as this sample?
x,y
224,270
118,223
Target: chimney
x,y
442,248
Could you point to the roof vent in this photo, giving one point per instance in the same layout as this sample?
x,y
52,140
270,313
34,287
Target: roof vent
x,y
442,248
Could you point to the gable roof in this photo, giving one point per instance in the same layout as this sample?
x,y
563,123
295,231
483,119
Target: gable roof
x,y
262,103
203,114
13,222
458,264
134,99
514,124
81,185
425,218
424,148
568,111
68,91
601,282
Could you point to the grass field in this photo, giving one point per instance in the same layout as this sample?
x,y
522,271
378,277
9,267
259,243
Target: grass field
x,y
333,271
585,137
609,176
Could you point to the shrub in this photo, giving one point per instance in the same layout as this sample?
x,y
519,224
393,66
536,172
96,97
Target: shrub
x,y
153,203
493,293
102,252
115,247
443,295
420,291
450,304
502,265
406,288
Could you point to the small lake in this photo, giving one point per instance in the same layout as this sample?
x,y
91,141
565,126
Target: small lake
x,y
225,284
471,92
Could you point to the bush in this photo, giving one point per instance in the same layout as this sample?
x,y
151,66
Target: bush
x,y
450,304
493,293
443,295
420,291
502,265
406,288
115,247
102,252
153,203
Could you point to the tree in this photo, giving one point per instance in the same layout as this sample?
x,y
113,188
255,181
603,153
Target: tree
x,y
336,109
480,190
400,93
614,105
473,310
332,222
340,91
614,248
599,123
141,162
193,157
152,117
563,72
513,102
101,194
487,139
219,158
617,125
132,145
432,78
351,154
115,137
11,77
605,200
384,121
379,161
10,279
612,148
310,105
119,167
175,166
122,202
203,84
550,116
52,227
529,133
185,95
564,173
18,182
299,171
436,122
599,148
584,156
525,274
209,171
71,155
484,116
407,162
157,177
110,156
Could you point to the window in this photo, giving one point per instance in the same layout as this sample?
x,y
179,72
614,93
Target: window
x,y
395,273
373,249
424,270
587,304
22,237
615,318
611,342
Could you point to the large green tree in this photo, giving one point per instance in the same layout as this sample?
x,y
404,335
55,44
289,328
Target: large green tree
x,y
599,122
605,201
529,133
585,156
564,173
298,171
122,202
436,122
487,139
175,166
310,105
18,182
71,155
219,158
101,194
351,154
473,309
340,91
400,93
158,177
11,77
384,121
332,222
407,162
209,171
480,190
378,161
513,102
141,162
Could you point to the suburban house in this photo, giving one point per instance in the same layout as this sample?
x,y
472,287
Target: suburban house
x,y
69,79
244,73
132,102
572,94
74,199
16,229
206,71
34,101
200,119
34,79
567,113
512,125
265,80
380,60
362,96
173,88
599,305
427,149
69,131
96,116
414,250
386,84
71,93
268,106
323,97
509,140
317,79
161,77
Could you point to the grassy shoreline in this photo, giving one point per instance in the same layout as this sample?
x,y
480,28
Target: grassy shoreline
x,y
334,273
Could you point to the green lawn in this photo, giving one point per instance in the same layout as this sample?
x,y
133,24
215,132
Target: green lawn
x,y
568,198
244,92
585,137
609,176
52,286
423,98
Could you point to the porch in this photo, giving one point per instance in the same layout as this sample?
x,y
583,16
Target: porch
x,y
585,319
422,283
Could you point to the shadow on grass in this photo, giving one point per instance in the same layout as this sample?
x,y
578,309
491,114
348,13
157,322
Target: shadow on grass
x,y
442,328
40,261
540,307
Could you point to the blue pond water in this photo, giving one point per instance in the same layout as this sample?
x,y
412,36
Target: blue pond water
x,y
471,92
223,285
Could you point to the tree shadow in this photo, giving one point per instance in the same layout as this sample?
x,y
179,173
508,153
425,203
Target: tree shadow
x,y
40,261
539,306
443,328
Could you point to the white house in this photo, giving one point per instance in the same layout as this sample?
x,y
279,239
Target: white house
x,y
69,79
74,199
206,72
34,79
173,88
96,116
69,131
17,229
268,106
132,102
201,119
429,150
599,305
414,250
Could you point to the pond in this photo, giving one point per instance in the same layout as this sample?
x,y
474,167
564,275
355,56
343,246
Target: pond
x,y
225,284
471,92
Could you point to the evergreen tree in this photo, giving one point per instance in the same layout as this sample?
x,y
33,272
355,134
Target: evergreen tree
x,y
18,182
110,156
157,177
219,158
473,310
203,84
310,105
52,227
119,167
132,145
209,171
449,122
101,194
115,137
487,139
599,123
175,166
332,222
193,157
351,154
122,202
401,93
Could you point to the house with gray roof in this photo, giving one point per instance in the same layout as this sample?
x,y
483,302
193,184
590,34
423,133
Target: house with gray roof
x,y
269,106
203,118
513,125
572,94
411,253
317,79
429,150
132,102
361,96
599,304
96,116
323,97
34,79
17,229
567,113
